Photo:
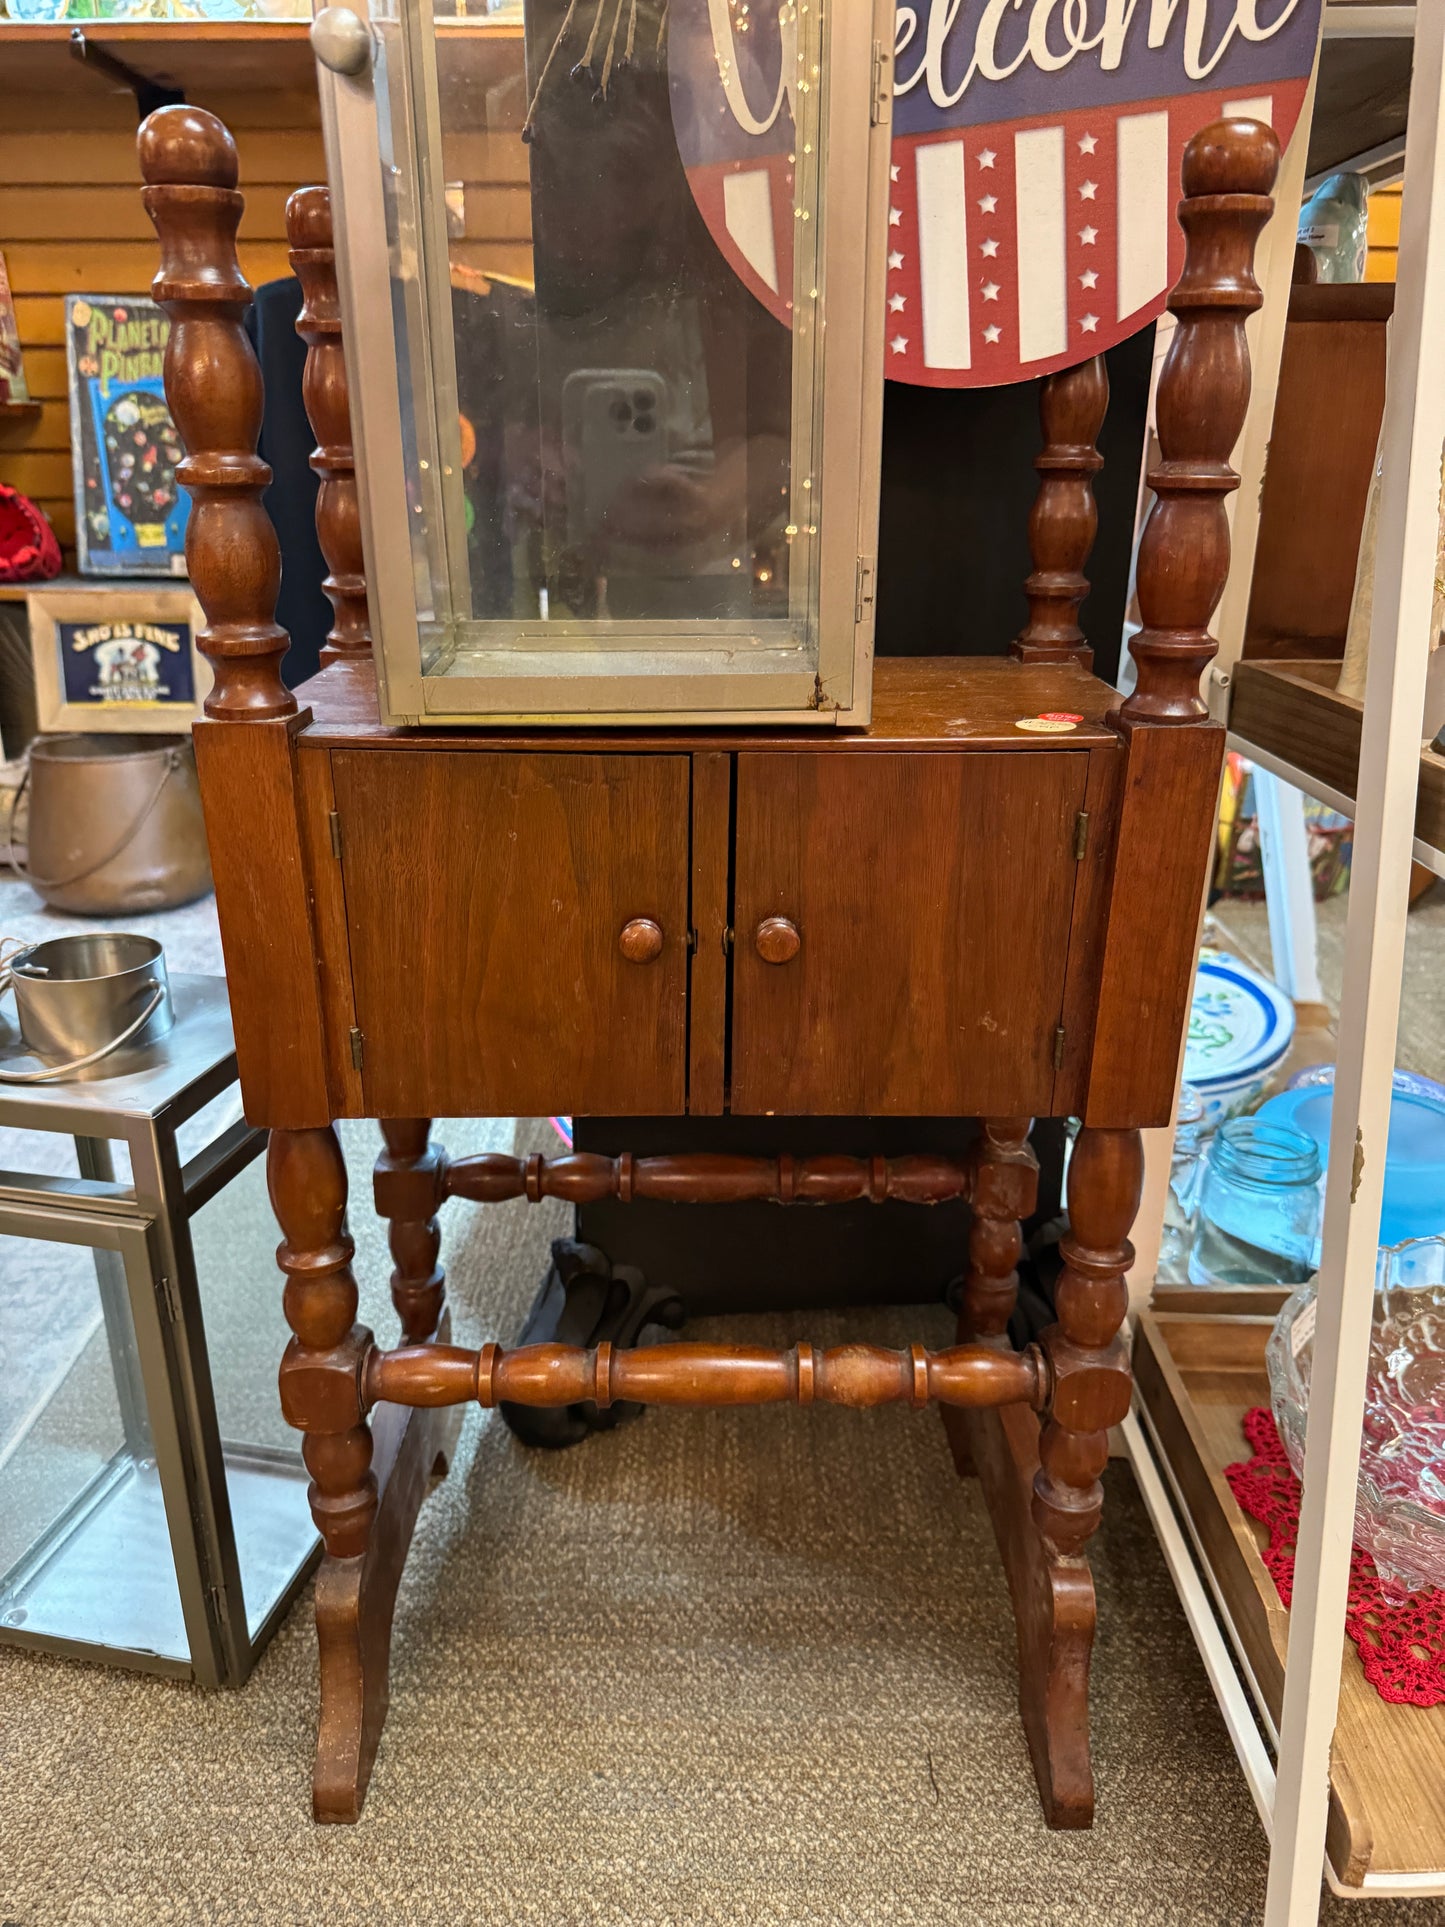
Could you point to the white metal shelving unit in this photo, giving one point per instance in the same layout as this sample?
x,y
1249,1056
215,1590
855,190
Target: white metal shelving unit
x,y
1288,1769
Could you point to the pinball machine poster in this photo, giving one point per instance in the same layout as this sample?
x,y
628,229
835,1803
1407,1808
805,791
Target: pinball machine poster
x,y
130,511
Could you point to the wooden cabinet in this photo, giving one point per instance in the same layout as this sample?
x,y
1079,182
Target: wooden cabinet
x,y
498,980
931,897
941,915
894,937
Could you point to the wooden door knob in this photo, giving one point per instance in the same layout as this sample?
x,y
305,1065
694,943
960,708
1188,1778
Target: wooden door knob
x,y
777,940
641,940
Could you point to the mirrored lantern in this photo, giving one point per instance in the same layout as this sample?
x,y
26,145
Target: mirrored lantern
x,y
612,298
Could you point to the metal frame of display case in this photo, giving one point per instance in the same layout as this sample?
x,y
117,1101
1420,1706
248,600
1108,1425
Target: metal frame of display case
x,y
1290,1790
146,1275
704,671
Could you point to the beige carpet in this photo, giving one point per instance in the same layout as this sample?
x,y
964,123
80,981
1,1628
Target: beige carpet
x,y
746,1667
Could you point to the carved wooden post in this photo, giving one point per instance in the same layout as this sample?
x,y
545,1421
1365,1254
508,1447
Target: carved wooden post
x,y
1064,519
213,387
1229,169
338,512
410,1183
1090,1360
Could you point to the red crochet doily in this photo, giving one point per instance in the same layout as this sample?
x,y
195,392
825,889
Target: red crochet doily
x,y
1401,1648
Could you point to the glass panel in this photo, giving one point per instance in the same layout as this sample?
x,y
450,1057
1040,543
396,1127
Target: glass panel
x,y
1242,1063
85,1551
604,237
1260,1022
1400,1507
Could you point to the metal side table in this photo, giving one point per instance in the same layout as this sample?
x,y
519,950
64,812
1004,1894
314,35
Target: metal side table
x,y
129,1530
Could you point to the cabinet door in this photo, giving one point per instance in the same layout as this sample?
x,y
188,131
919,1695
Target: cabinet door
x,y
931,895
486,896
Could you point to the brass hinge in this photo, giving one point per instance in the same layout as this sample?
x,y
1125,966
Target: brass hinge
x,y
862,587
1059,1048
358,1044
878,102
1081,835
335,821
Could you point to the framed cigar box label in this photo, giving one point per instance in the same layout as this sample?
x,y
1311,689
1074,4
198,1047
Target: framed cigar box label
x,y
118,657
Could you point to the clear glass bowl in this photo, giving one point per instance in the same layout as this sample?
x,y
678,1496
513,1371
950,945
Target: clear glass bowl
x,y
1400,1503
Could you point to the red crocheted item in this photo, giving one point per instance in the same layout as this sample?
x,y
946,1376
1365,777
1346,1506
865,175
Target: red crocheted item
x,y
29,551
1401,1648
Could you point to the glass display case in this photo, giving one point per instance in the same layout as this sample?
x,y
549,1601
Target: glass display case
x,y
152,1506
612,301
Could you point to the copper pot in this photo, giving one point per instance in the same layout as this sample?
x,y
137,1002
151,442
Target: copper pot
x,y
115,824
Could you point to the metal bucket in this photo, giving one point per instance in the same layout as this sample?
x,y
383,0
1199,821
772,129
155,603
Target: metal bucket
x,y
80,998
115,824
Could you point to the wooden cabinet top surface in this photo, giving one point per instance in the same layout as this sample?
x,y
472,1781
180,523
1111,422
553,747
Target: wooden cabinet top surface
x,y
919,702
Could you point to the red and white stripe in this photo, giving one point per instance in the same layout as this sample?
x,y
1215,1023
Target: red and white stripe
x,y
1021,247
1013,249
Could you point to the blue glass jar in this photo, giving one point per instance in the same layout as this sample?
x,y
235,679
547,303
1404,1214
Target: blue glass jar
x,y
1259,1207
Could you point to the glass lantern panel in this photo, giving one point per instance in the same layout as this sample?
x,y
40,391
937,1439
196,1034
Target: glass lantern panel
x,y
608,305
85,1549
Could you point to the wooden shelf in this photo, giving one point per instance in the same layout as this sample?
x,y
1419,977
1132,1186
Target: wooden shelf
x,y
1292,711
19,411
1197,1377
199,56
93,585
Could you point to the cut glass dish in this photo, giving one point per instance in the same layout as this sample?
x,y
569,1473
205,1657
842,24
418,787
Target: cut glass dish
x,y
1400,1502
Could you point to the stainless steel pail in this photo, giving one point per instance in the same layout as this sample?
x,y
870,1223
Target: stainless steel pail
x,y
78,998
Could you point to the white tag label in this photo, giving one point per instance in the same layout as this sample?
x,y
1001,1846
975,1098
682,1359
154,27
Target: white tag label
x,y
1303,1329
1320,234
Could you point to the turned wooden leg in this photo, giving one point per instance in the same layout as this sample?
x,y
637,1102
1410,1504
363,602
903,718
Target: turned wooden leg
x,y
1090,1364
320,1393
1090,1359
367,1482
1004,1188
409,1182
1042,1493
408,1185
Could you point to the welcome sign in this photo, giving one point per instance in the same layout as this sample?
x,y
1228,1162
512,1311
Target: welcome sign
x,y
1035,168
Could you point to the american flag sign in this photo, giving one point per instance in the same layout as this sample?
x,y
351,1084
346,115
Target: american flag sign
x,y
1035,162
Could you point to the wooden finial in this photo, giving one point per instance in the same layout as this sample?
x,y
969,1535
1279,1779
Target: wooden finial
x,y
213,389
1064,521
338,512
1229,169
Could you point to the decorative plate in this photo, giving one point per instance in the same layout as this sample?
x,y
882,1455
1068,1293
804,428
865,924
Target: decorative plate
x,y
1240,1024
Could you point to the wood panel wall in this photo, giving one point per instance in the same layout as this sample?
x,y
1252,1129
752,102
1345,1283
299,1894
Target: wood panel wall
x,y
71,222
